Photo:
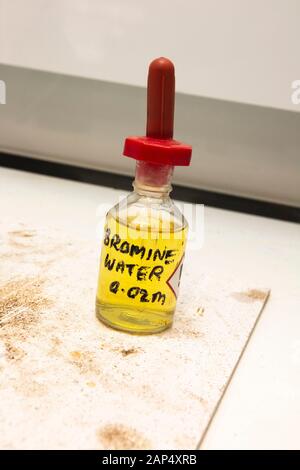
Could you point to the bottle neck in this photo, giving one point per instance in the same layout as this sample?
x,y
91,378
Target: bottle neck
x,y
153,180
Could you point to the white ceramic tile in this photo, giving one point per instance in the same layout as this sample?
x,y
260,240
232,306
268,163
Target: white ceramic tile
x,y
67,381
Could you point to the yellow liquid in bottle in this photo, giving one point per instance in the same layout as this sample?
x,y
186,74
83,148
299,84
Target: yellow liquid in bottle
x,y
139,274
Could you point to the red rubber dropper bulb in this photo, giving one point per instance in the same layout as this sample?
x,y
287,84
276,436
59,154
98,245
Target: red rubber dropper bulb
x,y
158,146
160,99
160,116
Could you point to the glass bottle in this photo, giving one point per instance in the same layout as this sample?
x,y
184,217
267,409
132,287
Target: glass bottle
x,y
140,274
145,234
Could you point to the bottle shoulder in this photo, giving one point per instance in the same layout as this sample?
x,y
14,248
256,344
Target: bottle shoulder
x,y
142,212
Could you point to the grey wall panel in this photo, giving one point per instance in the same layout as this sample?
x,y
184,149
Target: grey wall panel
x,y
238,149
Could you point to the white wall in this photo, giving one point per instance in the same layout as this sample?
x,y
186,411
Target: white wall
x,y
240,50
237,149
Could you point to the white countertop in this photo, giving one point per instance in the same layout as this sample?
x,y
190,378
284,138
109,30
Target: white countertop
x,y
261,407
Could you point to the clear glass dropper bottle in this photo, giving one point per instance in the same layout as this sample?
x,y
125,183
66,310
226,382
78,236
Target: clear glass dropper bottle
x,y
145,234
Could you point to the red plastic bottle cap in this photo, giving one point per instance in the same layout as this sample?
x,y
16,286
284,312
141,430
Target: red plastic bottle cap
x,y
158,146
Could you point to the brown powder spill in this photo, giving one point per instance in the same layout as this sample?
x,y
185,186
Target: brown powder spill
x,y
85,361
91,384
56,341
20,238
199,398
55,348
127,352
182,328
29,387
75,355
120,349
120,437
21,301
13,353
24,244
251,295
22,233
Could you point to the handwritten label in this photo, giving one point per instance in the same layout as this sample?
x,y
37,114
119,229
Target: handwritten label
x,y
140,270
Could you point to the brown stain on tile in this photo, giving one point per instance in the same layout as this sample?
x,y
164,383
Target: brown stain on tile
x,y
29,387
91,384
249,296
183,329
75,355
128,352
22,233
24,242
120,437
55,344
199,399
123,350
56,341
85,361
21,302
20,238
13,353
